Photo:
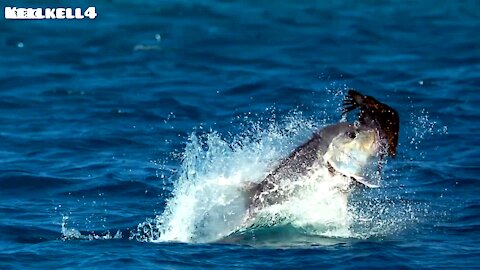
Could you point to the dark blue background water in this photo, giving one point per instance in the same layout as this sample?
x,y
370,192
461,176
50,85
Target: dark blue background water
x,y
92,112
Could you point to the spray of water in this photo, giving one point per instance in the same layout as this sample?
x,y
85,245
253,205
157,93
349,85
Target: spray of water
x,y
209,202
209,199
74,234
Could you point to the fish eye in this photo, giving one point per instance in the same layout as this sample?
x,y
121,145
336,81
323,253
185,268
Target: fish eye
x,y
351,134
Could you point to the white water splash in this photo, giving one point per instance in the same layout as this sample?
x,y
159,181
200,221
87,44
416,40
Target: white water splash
x,y
74,234
209,201
319,206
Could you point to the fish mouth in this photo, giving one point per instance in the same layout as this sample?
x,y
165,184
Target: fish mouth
x,y
356,178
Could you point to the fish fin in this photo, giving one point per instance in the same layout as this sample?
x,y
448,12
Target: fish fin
x,y
372,110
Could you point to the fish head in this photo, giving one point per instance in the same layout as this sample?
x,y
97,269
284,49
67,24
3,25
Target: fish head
x,y
356,152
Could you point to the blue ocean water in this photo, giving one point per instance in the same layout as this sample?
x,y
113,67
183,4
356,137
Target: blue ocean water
x,y
125,139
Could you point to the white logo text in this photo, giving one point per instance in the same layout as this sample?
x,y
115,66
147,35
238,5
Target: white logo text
x,y
20,13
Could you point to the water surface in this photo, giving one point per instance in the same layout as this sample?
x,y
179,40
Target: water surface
x,y
103,120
